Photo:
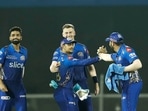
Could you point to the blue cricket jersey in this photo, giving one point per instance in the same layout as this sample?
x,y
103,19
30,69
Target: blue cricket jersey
x,y
80,52
125,55
13,62
75,74
66,68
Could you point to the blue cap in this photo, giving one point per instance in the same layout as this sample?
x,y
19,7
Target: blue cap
x,y
115,37
67,41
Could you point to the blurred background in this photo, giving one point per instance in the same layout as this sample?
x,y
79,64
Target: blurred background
x,y
94,20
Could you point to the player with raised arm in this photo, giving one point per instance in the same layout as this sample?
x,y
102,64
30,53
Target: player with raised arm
x,y
80,77
65,66
128,62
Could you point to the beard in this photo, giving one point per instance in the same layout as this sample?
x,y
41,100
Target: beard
x,y
112,48
15,41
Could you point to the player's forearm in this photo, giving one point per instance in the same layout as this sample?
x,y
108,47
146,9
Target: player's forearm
x,y
93,74
105,57
92,70
134,66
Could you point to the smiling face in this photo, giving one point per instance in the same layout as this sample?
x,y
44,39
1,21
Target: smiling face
x,y
68,31
15,37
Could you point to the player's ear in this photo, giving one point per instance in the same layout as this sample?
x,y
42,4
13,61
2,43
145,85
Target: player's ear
x,y
74,33
63,35
21,38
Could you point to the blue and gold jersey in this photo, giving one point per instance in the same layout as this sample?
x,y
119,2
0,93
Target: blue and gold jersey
x,y
13,62
66,69
80,52
125,56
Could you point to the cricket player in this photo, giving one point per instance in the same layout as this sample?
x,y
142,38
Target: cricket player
x,y
80,77
64,95
12,65
125,56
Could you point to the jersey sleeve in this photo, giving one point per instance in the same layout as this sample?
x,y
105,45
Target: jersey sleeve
x,y
56,55
113,56
25,52
86,52
2,55
83,62
130,54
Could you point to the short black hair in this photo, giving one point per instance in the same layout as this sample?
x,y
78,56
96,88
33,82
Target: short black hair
x,y
15,28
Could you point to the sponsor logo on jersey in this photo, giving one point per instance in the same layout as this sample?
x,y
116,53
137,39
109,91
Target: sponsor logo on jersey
x,y
11,57
132,55
70,102
22,96
128,49
70,57
5,97
16,65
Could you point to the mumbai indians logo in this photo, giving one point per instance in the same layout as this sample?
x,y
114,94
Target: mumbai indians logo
x,y
22,58
80,54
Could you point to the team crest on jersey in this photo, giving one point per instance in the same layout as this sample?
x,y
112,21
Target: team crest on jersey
x,y
22,58
80,54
